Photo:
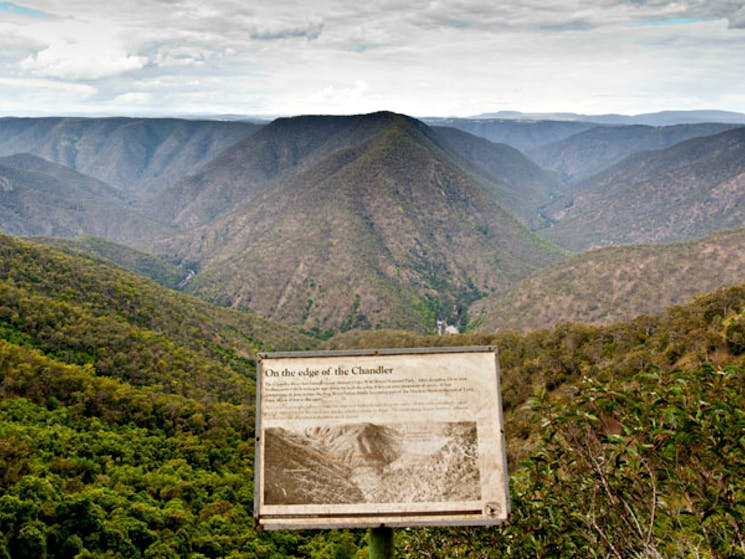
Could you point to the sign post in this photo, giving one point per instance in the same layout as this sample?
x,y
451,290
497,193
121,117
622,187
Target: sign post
x,y
381,543
379,439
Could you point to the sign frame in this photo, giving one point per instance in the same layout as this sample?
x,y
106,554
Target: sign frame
x,y
403,514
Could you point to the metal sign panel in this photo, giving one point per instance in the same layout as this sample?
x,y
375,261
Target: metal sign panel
x,y
388,437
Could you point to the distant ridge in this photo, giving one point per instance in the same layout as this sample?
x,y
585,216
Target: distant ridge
x,y
521,134
138,156
689,190
38,197
587,153
364,221
661,118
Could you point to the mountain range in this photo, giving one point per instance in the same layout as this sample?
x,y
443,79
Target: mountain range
x,y
688,190
138,156
587,153
127,408
365,221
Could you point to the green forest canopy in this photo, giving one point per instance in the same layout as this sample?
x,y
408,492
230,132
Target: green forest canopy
x,y
126,426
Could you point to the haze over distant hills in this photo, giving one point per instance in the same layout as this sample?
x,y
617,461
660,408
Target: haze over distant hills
x,y
139,156
587,153
286,147
521,134
661,118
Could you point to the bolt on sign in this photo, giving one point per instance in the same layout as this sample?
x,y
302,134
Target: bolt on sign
x,y
395,437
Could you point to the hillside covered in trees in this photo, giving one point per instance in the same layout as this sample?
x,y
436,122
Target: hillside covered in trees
x,y
126,426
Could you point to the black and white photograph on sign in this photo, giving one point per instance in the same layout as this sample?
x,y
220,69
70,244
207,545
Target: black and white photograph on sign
x,y
372,463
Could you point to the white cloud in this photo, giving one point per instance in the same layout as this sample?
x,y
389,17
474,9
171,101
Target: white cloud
x,y
133,98
334,56
80,51
340,95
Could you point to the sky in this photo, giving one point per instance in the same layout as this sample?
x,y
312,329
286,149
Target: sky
x,y
423,58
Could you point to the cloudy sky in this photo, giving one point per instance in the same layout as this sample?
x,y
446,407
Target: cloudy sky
x,y
425,58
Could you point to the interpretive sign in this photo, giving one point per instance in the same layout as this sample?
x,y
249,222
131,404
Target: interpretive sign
x,y
388,437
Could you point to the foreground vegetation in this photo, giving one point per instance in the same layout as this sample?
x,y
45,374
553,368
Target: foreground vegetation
x,y
648,466
126,427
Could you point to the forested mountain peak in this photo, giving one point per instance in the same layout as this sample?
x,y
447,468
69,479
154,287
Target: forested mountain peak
x,y
359,223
